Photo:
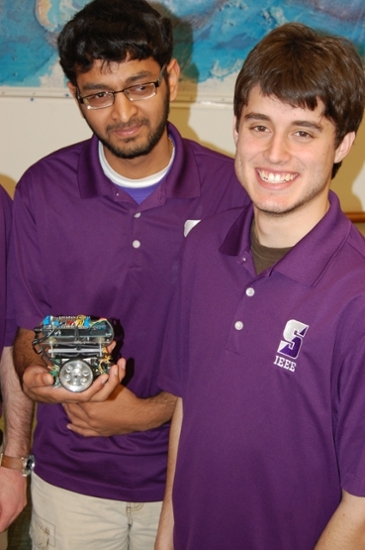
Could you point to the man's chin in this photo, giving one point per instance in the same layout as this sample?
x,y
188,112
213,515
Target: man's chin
x,y
129,153
273,209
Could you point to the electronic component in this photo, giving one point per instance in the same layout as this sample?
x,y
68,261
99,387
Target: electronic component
x,y
74,348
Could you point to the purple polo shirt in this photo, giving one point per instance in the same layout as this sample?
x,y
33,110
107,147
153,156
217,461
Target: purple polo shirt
x,y
82,245
271,371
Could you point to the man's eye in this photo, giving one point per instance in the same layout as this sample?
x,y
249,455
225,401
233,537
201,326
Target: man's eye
x,y
99,95
303,134
260,128
138,89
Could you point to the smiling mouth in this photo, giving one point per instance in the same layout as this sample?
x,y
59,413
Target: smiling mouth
x,y
271,177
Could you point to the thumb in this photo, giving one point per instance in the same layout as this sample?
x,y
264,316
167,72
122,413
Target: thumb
x,y
37,376
46,379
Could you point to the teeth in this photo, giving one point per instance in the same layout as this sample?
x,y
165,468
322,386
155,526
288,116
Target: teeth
x,y
275,178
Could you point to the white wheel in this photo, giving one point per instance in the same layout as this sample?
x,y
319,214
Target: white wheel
x,y
76,375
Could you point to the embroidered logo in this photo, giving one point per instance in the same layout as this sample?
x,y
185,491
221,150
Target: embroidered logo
x,y
293,334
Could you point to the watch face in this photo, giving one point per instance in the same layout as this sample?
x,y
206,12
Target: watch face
x,y
29,465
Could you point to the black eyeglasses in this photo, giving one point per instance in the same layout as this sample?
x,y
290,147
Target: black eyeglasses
x,y
100,100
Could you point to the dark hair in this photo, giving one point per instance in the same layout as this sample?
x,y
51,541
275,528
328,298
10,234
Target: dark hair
x,y
112,30
299,66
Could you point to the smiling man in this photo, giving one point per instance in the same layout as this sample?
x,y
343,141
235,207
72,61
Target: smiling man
x,y
98,227
266,339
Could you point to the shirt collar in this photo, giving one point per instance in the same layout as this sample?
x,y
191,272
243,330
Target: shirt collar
x,y
181,181
315,250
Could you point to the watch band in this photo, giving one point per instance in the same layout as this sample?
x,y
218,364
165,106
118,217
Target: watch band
x,y
23,464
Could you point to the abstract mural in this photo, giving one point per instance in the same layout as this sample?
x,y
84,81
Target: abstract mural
x,y
212,38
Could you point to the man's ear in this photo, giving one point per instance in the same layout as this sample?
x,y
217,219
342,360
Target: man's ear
x,y
235,129
73,92
344,148
173,72
72,89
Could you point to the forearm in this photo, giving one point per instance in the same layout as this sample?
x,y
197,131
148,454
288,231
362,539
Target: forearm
x,y
18,409
126,413
24,354
121,414
156,411
346,528
174,438
164,540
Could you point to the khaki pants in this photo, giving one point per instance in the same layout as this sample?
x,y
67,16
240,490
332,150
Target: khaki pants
x,y
64,520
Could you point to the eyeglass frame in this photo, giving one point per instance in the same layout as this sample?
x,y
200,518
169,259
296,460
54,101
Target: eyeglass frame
x,y
156,83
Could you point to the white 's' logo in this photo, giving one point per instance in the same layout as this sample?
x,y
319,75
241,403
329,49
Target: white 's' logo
x,y
294,333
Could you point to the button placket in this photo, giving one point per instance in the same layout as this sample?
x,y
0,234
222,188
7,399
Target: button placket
x,y
234,342
136,243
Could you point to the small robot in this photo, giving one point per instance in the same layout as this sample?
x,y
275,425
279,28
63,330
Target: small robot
x,y
74,348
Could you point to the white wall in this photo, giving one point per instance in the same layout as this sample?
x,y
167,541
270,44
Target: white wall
x,y
34,127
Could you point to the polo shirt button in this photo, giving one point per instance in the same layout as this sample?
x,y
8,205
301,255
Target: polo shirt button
x,y
250,291
137,215
136,244
238,325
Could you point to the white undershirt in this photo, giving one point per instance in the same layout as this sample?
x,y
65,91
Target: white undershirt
x,y
128,182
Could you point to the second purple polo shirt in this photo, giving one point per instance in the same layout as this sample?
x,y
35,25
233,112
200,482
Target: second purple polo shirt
x,y
271,371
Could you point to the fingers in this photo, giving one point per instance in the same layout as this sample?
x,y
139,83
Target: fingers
x,y
79,420
111,346
7,518
38,385
85,432
74,412
108,385
103,386
121,363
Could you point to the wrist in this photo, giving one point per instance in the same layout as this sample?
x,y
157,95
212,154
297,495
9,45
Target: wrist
x,y
15,445
15,450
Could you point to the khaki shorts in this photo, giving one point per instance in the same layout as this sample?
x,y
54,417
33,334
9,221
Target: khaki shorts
x,y
64,520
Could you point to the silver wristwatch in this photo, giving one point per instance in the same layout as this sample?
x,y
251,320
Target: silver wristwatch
x,y
24,464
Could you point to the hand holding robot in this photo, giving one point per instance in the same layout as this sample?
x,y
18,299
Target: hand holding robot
x,y
75,349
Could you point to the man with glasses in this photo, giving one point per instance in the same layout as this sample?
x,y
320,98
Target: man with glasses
x,y
98,227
